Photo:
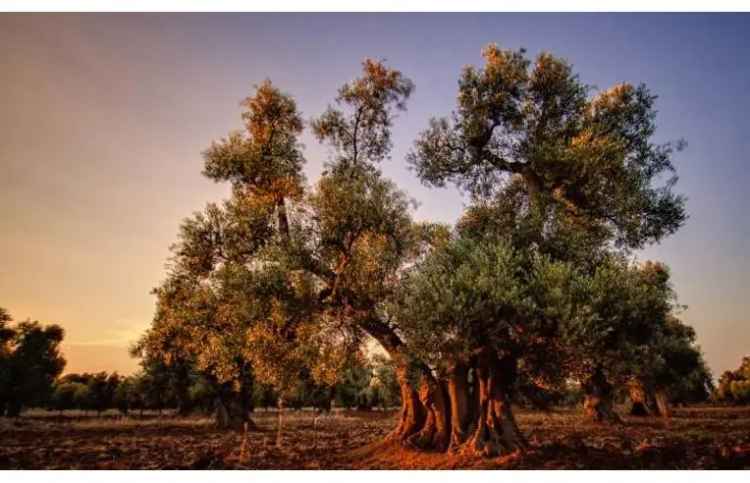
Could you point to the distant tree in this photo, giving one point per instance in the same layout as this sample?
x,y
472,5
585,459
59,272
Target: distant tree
x,y
81,378
124,395
63,396
6,350
102,387
168,367
734,386
82,396
352,389
202,394
307,393
674,373
152,384
264,396
613,333
30,361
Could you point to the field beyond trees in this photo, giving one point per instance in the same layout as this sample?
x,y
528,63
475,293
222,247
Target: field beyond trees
x,y
699,437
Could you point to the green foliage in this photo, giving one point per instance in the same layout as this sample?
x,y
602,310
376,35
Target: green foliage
x,y
734,386
264,396
266,160
124,396
470,294
82,396
352,390
30,360
102,388
359,127
384,385
272,292
680,368
589,156
265,284
621,307
64,396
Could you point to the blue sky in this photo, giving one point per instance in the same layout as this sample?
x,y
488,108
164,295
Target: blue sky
x,y
104,117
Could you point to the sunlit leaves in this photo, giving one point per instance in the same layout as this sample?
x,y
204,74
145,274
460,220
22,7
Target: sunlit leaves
x,y
589,158
358,127
267,153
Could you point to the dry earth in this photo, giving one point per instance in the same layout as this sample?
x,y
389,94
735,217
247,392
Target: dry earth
x,y
699,437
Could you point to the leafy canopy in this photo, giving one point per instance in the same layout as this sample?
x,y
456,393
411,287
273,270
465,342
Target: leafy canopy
x,y
537,125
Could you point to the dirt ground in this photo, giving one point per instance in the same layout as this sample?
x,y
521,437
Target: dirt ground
x,y
700,437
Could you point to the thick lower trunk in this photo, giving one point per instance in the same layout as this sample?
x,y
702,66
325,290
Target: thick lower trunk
x,y
413,414
496,431
439,414
637,394
435,432
459,397
598,403
454,414
646,402
231,409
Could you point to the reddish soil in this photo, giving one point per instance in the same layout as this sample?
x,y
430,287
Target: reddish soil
x,y
700,437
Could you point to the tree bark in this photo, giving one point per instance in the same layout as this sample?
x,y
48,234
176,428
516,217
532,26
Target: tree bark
x,y
598,404
459,397
454,413
435,432
496,430
662,403
231,409
413,414
637,394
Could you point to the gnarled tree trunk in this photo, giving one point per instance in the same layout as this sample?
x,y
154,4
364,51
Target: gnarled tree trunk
x,y
647,401
598,403
452,412
435,432
637,393
413,414
460,399
496,431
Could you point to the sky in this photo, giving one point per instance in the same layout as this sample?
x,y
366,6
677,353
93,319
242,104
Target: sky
x,y
104,116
